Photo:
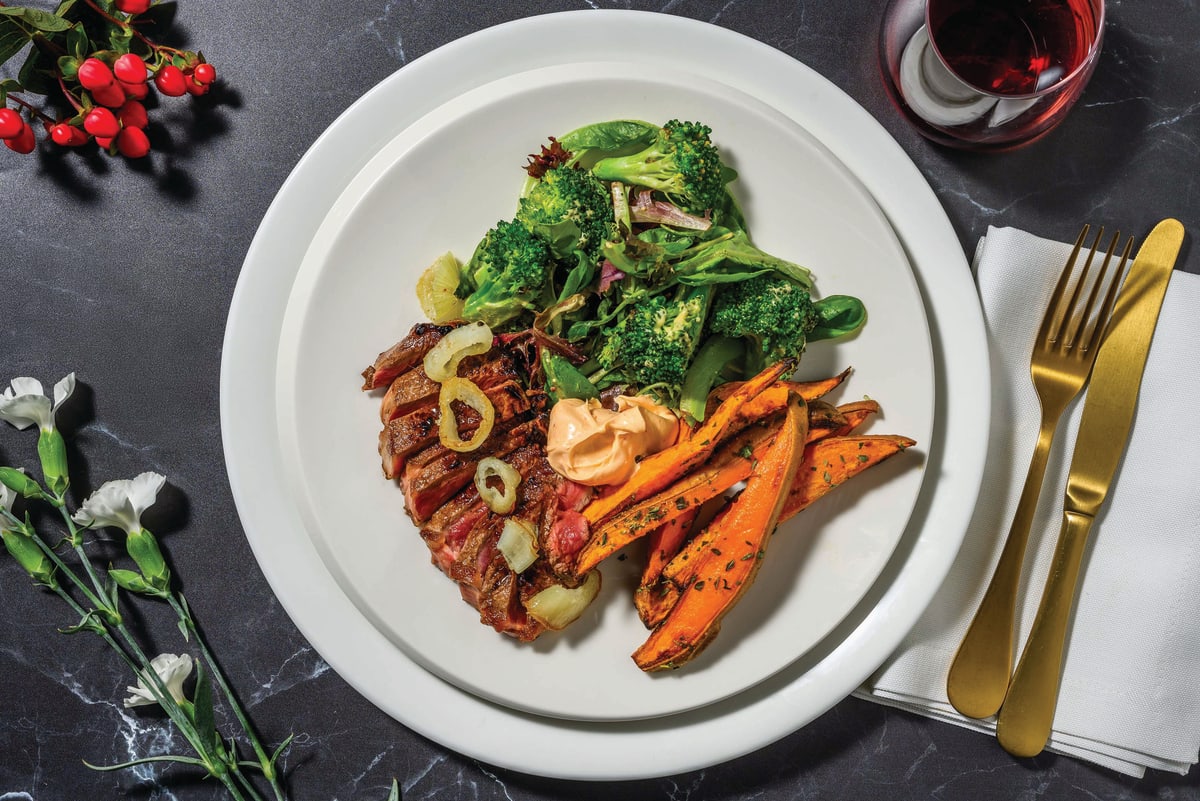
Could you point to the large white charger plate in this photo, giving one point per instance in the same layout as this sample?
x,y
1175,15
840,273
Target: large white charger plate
x,y
461,720
353,296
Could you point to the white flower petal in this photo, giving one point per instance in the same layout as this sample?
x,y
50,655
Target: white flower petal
x,y
24,411
139,696
110,505
7,497
143,491
172,670
24,385
63,390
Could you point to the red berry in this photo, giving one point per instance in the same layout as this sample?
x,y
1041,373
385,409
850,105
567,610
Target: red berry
x,y
101,122
194,87
170,81
23,142
130,68
133,6
133,143
112,96
138,91
133,115
68,135
204,73
10,123
94,74
105,142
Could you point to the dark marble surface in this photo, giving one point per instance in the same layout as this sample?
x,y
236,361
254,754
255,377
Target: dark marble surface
x,y
124,274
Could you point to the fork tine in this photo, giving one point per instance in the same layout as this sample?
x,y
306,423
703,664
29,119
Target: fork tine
x,y
1051,322
1110,298
1074,318
1088,325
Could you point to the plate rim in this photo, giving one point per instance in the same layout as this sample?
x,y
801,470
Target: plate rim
x,y
784,702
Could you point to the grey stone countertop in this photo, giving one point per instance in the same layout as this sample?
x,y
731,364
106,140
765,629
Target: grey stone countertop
x,y
124,273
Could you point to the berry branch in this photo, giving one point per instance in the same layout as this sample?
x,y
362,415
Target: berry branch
x,y
94,68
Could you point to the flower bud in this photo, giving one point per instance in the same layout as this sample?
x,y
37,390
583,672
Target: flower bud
x,y
30,556
17,481
144,551
52,451
129,580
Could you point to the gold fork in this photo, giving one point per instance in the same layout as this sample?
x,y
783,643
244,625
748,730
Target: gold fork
x,y
1063,354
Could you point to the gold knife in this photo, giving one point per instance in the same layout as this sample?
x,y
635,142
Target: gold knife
x,y
1026,717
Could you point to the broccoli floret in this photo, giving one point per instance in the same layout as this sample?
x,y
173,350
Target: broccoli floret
x,y
507,275
682,163
777,317
653,343
774,313
571,210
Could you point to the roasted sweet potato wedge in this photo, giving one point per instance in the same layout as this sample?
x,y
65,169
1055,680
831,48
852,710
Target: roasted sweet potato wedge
x,y
659,471
731,464
830,462
722,561
809,390
655,596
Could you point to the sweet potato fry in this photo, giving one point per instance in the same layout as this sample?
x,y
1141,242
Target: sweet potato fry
x,y
655,596
732,463
824,419
830,462
809,390
855,414
725,557
664,468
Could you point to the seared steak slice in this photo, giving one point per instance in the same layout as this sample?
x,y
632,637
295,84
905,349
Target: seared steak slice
x,y
406,435
478,552
413,390
404,354
500,603
447,530
434,475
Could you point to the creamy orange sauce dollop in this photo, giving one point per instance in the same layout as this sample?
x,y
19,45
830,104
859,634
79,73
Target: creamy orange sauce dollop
x,y
593,445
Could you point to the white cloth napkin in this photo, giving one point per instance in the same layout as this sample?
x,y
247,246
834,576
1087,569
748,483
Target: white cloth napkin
x,y
1130,693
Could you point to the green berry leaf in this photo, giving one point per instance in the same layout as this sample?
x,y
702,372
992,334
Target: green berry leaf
x,y
33,19
119,39
68,66
77,42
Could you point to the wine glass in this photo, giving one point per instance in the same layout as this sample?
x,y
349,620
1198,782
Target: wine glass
x,y
988,74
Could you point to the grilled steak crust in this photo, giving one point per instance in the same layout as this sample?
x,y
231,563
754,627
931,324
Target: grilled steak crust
x,y
412,390
418,429
405,354
440,495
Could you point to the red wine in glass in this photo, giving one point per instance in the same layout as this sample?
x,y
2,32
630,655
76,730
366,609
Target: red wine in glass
x,y
988,74
1012,48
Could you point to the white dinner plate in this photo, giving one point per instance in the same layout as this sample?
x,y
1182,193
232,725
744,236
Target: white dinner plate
x,y
275,502
354,296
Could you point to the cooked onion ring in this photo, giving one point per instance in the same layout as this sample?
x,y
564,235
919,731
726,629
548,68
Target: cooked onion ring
x,y
501,501
466,391
441,363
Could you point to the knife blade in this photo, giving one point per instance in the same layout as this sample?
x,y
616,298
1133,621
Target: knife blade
x,y
1027,715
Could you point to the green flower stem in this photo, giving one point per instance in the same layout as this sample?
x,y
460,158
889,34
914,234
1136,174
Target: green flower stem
x,y
157,688
215,763
59,503
265,762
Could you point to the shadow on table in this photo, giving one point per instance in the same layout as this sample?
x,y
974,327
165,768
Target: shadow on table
x,y
178,128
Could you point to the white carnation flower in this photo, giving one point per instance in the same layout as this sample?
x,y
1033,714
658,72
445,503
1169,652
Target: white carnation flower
x,y
172,670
